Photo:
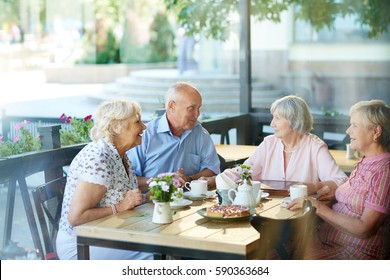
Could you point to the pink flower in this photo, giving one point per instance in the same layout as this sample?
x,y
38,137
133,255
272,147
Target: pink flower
x,y
63,117
1,138
18,126
87,118
68,119
16,138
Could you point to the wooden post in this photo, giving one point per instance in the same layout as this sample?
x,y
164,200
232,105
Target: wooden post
x,y
245,58
50,136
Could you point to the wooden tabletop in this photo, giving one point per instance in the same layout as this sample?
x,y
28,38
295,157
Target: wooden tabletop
x,y
189,235
237,153
347,165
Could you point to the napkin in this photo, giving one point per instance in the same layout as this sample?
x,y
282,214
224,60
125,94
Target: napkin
x,y
223,182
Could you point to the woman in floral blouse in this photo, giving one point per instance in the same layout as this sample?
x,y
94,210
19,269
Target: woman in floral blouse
x,y
101,180
358,224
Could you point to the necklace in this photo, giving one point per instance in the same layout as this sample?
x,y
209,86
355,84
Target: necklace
x,y
288,152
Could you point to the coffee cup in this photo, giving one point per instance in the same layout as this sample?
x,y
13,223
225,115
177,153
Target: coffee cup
x,y
297,191
223,197
256,188
197,187
350,153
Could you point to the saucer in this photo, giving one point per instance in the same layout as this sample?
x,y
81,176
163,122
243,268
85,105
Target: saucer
x,y
182,204
264,195
285,202
191,196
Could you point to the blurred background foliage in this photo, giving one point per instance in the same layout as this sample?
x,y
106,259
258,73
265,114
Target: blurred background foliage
x,y
132,31
212,17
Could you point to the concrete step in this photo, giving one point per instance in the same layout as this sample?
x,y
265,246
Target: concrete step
x,y
220,93
132,83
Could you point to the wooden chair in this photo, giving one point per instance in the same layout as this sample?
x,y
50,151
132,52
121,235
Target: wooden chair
x,y
48,204
287,238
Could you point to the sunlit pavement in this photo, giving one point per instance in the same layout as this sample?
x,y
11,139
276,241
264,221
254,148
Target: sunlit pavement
x,y
27,94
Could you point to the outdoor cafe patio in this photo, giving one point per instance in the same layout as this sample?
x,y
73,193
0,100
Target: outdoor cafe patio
x,y
53,159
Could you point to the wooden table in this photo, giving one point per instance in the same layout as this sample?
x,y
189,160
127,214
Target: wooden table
x,y
190,234
347,165
239,153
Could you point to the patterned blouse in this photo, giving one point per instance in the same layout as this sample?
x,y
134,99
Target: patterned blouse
x,y
98,163
367,187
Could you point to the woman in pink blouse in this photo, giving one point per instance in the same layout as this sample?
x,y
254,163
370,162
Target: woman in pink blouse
x,y
358,224
292,153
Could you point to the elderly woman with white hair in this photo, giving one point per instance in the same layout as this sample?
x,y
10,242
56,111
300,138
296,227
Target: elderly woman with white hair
x,y
101,180
292,153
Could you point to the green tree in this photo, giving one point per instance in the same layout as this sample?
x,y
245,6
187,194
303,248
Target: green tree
x,y
161,39
211,17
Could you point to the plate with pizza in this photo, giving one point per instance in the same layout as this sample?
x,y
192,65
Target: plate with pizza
x,y
226,212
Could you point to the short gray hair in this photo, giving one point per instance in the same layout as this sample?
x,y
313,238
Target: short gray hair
x,y
375,112
295,110
110,112
174,91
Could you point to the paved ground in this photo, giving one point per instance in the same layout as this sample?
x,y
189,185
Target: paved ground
x,y
27,94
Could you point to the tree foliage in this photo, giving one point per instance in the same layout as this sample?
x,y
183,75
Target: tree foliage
x,y
212,17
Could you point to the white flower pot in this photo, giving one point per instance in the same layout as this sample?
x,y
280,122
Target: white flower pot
x,y
162,213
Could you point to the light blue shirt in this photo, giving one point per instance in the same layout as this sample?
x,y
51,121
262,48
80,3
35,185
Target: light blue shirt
x,y
162,152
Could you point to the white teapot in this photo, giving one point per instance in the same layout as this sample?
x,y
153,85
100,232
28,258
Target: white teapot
x,y
244,195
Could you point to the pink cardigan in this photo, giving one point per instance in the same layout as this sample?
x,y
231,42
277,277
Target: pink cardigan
x,y
310,162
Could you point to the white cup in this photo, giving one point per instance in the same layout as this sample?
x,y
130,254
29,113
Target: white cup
x,y
297,191
256,188
197,187
350,152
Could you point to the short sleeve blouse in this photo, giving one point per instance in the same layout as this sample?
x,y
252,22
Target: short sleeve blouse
x,y
98,163
367,187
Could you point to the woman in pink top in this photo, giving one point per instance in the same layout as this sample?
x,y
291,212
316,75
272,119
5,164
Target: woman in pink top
x,y
292,153
358,224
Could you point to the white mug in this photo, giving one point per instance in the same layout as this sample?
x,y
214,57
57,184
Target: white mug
x,y
350,153
256,188
197,187
297,191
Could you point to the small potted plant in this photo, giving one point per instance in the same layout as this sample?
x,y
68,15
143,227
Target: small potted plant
x,y
23,141
246,174
78,132
164,189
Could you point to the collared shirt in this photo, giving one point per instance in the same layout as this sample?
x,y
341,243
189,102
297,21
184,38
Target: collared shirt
x,y
161,151
367,187
310,161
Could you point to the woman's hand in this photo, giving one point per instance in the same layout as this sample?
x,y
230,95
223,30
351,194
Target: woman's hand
x,y
326,193
296,203
132,199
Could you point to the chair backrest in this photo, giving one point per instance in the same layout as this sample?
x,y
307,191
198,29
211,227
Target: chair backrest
x,y
288,238
48,204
